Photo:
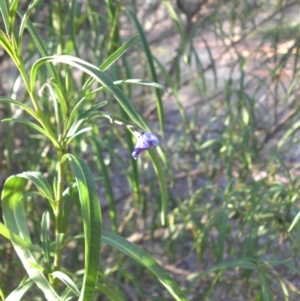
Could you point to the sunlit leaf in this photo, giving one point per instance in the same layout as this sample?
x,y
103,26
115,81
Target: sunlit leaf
x,y
5,16
67,281
15,220
137,254
18,293
92,222
98,76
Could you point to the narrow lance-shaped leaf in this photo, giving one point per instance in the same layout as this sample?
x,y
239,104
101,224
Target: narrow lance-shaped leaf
x,y
4,13
146,260
16,239
19,104
12,16
111,60
5,43
25,18
72,25
148,53
15,220
46,234
18,293
98,76
67,281
31,124
132,82
178,25
41,47
242,263
289,133
294,222
92,222
107,182
41,183
111,293
162,184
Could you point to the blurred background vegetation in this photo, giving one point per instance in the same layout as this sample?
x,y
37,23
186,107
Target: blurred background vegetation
x,y
229,130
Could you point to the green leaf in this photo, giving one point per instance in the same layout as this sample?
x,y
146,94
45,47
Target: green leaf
x,y
265,287
134,177
175,92
212,61
289,133
30,124
25,17
73,26
201,71
110,293
67,281
5,43
46,234
83,130
111,60
4,13
92,222
117,120
179,28
132,82
77,107
117,54
244,263
209,143
246,116
140,256
159,105
13,209
97,147
64,107
86,116
16,239
220,249
15,220
98,76
42,49
294,222
41,183
60,240
18,293
59,112
19,104
158,167
12,16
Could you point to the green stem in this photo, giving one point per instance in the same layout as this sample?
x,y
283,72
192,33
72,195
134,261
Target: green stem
x,y
59,193
59,211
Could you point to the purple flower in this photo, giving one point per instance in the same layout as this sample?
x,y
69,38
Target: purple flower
x,y
145,141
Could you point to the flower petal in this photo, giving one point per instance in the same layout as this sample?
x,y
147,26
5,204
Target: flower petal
x,y
145,141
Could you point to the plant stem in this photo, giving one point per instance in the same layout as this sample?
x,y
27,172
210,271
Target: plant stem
x,y
59,211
